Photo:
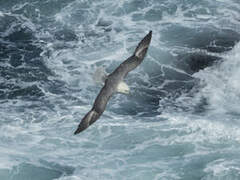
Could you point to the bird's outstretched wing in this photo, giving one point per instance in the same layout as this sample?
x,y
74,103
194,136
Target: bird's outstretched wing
x,y
112,82
97,109
133,61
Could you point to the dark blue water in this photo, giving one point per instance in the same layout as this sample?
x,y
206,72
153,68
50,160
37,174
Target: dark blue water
x,y
181,120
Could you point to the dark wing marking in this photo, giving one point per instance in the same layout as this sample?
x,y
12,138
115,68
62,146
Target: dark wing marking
x,y
136,59
112,82
97,109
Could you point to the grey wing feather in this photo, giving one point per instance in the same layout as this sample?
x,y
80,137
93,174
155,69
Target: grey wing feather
x,y
103,97
133,61
97,109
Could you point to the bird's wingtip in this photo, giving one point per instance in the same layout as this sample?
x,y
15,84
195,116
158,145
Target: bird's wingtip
x,y
82,126
149,34
88,119
142,47
77,131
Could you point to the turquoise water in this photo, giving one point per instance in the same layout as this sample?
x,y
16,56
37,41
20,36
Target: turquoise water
x,y
180,121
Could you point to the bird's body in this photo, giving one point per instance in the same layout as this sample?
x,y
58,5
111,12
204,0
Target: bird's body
x,y
114,82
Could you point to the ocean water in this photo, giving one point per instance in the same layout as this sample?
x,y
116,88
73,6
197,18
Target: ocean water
x,y
181,120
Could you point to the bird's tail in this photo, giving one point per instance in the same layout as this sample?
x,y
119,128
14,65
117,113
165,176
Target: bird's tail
x,y
88,119
142,47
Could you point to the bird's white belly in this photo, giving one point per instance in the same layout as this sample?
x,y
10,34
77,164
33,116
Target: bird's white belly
x,y
123,88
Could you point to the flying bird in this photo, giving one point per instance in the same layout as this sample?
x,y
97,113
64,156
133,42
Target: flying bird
x,y
114,83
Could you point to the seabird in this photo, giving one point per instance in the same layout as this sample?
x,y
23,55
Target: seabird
x,y
114,83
